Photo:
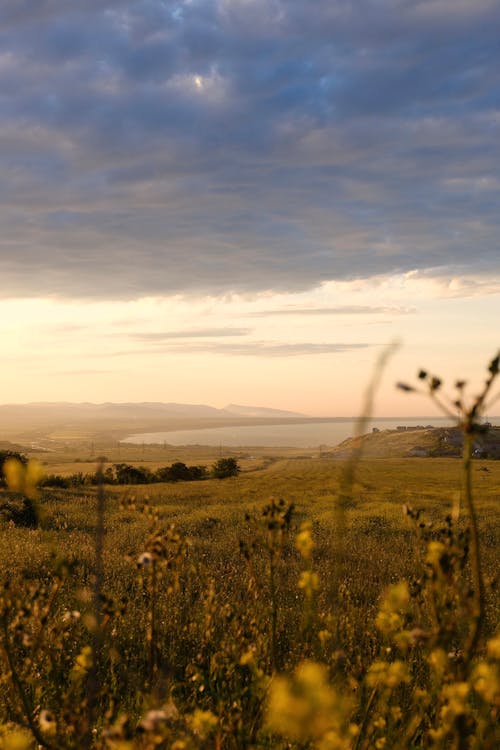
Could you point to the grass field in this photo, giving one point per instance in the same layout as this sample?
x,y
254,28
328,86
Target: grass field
x,y
174,633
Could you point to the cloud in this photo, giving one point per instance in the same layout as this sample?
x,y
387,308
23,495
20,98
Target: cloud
x,y
160,336
250,348
153,148
339,310
85,372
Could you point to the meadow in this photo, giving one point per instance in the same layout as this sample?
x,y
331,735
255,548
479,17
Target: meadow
x,y
295,605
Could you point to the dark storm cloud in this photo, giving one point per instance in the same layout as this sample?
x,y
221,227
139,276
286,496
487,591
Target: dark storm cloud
x,y
155,147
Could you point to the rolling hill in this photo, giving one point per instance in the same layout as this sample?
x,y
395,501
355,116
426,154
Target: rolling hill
x,y
438,442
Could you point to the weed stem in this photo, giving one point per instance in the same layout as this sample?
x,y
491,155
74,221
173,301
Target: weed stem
x,y
478,594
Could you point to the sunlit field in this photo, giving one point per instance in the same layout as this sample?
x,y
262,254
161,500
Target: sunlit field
x,y
236,227
262,610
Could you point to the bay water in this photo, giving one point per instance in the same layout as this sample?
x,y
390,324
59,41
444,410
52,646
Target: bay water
x,y
303,435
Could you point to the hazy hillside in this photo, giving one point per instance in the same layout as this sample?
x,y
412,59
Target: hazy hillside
x,y
65,410
60,420
260,411
437,442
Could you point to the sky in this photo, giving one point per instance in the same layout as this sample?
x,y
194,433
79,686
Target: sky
x,y
247,201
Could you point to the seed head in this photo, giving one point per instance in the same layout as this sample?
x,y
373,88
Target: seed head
x,y
145,559
71,616
47,722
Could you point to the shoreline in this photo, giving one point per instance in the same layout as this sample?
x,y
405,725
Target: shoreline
x,y
245,434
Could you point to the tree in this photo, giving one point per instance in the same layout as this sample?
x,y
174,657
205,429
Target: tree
x,y
178,471
198,472
225,467
127,474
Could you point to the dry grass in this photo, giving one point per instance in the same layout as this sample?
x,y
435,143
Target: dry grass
x,y
199,634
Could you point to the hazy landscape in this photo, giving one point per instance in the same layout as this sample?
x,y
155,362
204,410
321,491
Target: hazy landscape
x,y
250,392
162,588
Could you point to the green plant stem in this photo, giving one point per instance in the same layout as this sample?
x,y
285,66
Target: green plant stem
x,y
92,685
153,664
366,716
410,733
349,470
274,611
27,708
475,553
44,619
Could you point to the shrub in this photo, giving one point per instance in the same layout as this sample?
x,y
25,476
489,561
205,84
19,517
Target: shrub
x,y
225,467
55,480
127,474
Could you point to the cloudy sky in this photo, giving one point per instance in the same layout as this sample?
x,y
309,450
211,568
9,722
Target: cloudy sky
x,y
246,200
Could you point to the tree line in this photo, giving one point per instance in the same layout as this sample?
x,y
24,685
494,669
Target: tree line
x,y
123,473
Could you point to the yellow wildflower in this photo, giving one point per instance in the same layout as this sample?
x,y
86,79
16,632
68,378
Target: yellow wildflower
x,y
247,658
394,604
435,551
494,647
324,635
397,713
309,582
83,663
387,674
455,696
23,478
438,661
304,541
306,707
16,739
486,682
203,723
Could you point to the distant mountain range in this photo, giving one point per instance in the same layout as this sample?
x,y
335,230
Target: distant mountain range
x,y
145,410
261,411
64,418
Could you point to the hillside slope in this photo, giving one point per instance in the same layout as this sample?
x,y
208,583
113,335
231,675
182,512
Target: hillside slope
x,y
436,442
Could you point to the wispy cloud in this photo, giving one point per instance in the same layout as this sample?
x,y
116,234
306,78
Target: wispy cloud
x,y
84,372
340,310
196,333
250,348
61,329
278,349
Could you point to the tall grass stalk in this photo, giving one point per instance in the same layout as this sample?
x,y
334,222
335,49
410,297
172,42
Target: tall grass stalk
x,y
477,619
151,635
345,497
96,625
26,703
